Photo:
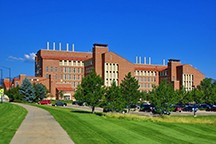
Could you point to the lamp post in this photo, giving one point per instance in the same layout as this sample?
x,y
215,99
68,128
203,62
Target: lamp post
x,y
9,80
194,101
1,83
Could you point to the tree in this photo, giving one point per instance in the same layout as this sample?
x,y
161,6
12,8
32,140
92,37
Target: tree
x,y
113,98
15,95
27,90
90,90
163,96
130,92
207,91
40,91
61,94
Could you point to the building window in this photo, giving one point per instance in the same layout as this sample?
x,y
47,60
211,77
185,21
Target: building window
x,y
65,76
69,77
145,79
47,76
69,70
55,69
148,85
74,70
173,78
141,85
78,77
74,77
61,69
141,79
82,70
61,76
74,84
138,79
51,69
47,69
148,79
65,69
56,76
145,85
154,79
78,70
151,79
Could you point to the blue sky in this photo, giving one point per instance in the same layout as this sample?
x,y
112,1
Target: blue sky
x,y
180,29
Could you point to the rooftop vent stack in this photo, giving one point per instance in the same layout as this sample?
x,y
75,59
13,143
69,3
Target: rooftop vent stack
x,y
67,46
144,60
140,60
136,59
149,60
163,61
54,46
73,47
59,46
47,45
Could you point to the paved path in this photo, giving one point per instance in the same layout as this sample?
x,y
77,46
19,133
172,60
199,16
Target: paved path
x,y
40,127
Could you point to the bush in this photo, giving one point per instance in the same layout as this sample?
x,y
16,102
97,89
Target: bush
x,y
202,109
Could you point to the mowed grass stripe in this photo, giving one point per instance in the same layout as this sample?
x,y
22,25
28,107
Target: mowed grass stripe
x,y
84,127
11,116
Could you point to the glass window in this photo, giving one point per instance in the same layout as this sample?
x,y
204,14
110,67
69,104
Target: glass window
x,y
148,85
148,79
47,76
78,70
74,70
61,76
154,79
78,77
78,83
56,76
61,69
55,69
74,77
47,69
74,84
141,85
145,85
69,70
141,79
82,70
51,69
145,79
69,77
65,76
65,69
151,79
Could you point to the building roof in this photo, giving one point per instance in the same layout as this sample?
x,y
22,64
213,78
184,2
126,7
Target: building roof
x,y
65,88
150,69
41,80
64,57
7,84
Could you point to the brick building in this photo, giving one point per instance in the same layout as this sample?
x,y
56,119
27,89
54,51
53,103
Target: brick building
x,y
63,70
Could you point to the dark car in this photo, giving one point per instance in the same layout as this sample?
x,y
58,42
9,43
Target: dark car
x,y
75,103
160,111
211,108
190,108
59,104
147,108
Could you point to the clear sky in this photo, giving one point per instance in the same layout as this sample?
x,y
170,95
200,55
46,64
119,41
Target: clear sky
x,y
160,29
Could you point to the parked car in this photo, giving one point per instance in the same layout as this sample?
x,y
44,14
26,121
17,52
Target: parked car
x,y
203,105
74,103
177,108
161,111
44,102
147,108
211,108
59,104
190,108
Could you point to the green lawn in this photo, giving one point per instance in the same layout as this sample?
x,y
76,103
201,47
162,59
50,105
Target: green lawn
x,y
11,116
84,127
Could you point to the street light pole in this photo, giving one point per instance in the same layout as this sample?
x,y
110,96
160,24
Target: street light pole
x,y
1,83
194,101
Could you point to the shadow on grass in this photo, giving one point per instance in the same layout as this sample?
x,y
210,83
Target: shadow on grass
x,y
88,112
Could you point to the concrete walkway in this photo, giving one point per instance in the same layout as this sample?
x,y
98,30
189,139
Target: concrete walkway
x,y
40,127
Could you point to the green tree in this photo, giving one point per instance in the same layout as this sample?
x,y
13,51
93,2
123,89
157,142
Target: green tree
x,y
130,93
40,91
27,90
91,90
15,95
113,98
207,91
163,96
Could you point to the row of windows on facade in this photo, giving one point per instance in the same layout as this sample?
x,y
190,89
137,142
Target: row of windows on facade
x,y
140,79
69,70
67,77
163,73
145,85
147,73
70,63
111,64
74,83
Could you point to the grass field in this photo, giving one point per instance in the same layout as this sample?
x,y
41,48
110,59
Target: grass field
x,y
11,116
84,127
